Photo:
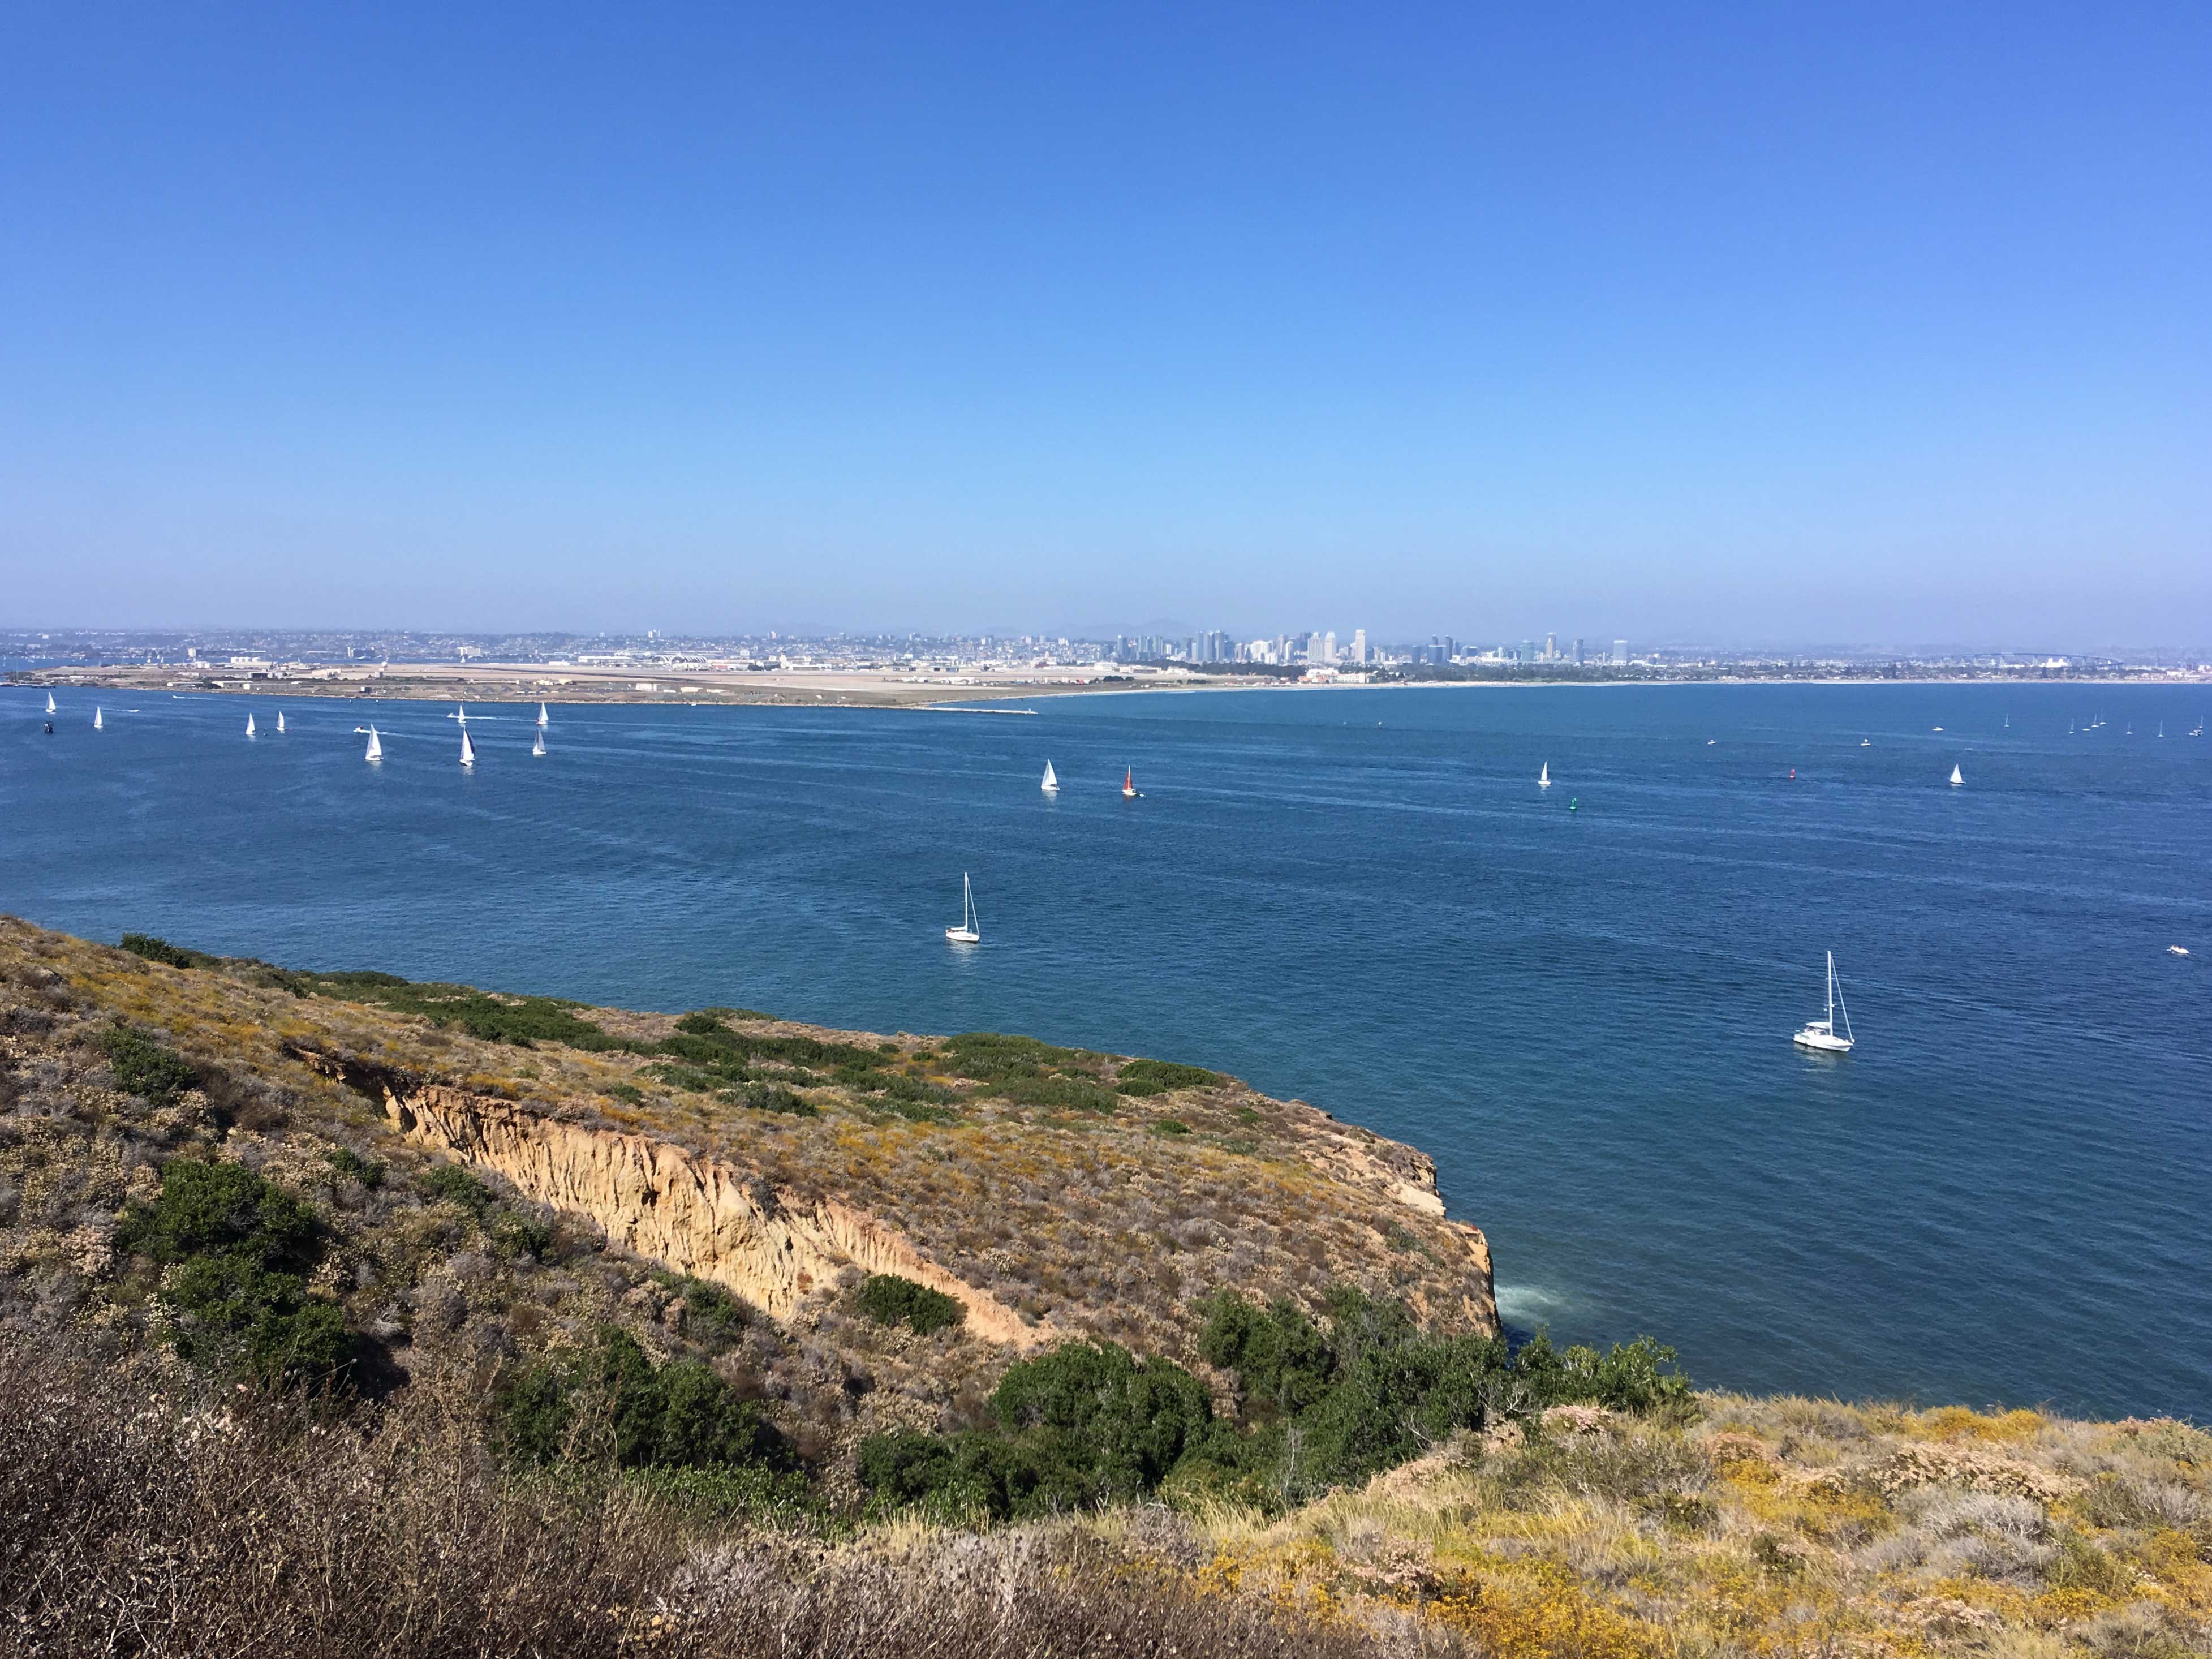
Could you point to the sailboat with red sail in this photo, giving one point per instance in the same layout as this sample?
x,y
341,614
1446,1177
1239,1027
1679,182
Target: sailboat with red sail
x,y
1130,783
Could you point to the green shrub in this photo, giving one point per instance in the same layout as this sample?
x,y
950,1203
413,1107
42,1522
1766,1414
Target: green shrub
x,y
453,1184
237,1251
1163,1074
351,1164
523,1022
712,1316
1630,1376
1169,1125
889,1300
1083,1425
520,1233
160,950
1070,1094
629,1093
773,1098
993,1056
145,1067
611,1403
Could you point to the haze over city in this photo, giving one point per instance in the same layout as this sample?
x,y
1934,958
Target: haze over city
x,y
1754,330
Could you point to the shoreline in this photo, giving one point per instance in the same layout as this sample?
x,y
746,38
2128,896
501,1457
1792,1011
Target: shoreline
x,y
522,684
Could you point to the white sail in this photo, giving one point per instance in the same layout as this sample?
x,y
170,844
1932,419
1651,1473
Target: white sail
x,y
966,932
1544,777
461,712
97,724
1051,784
280,721
249,725
538,747
1956,779
49,702
542,720
375,746
1820,1034
468,750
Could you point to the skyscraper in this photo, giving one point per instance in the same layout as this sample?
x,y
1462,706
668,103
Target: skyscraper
x,y
1551,648
1328,646
1360,646
1578,651
1620,653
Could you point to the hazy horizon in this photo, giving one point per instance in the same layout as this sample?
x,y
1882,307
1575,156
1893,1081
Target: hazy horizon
x,y
1669,324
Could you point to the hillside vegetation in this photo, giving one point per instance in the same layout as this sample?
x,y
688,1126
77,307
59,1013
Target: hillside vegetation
x,y
328,1325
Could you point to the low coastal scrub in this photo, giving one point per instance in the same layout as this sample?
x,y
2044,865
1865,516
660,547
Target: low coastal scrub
x,y
1321,1404
889,1299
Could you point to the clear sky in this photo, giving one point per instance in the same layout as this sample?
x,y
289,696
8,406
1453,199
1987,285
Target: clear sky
x,y
1777,323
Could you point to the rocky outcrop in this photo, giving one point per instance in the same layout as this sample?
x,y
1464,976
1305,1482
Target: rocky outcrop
x,y
698,1215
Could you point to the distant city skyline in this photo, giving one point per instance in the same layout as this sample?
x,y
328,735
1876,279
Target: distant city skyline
x,y
1757,327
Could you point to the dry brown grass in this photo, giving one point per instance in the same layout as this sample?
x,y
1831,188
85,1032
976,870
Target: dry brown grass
x,y
130,1523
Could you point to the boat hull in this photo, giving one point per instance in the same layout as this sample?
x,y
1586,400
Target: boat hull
x,y
1821,1043
964,936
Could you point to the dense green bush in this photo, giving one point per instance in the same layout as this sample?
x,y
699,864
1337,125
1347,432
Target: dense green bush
x,y
160,950
611,1403
712,1316
348,1162
1152,1075
1083,1425
145,1067
994,1056
1324,1403
1071,1094
238,1250
523,1022
773,1098
891,1300
455,1185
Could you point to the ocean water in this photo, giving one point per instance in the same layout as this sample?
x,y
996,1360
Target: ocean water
x,y
1579,1000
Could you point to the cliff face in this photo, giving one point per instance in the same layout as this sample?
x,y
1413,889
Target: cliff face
x,y
697,1215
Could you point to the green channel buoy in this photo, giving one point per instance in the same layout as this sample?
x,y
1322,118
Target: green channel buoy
x,y
1573,805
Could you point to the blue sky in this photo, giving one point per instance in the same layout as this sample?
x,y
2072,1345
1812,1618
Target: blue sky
x,y
1752,324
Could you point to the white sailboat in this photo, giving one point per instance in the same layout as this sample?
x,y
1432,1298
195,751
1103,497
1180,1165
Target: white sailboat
x,y
461,712
537,747
966,932
279,722
1956,779
97,724
1820,1035
542,721
375,746
49,702
1051,784
468,750
249,725
1544,777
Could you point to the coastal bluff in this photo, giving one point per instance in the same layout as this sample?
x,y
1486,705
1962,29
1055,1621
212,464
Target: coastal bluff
x,y
1050,1192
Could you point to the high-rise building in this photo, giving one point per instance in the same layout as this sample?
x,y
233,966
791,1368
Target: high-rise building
x,y
1328,646
1359,647
1551,648
1578,651
1620,653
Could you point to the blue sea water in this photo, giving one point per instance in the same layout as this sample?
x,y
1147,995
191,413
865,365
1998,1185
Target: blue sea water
x,y
1579,1000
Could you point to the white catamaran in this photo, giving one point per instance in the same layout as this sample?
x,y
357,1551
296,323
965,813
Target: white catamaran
x,y
468,750
968,932
375,746
1051,784
1820,1035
